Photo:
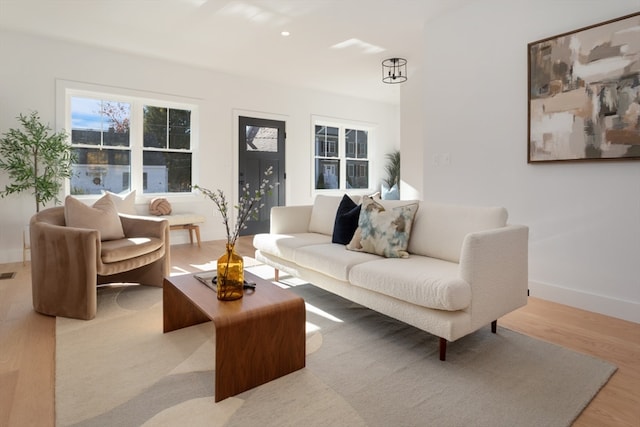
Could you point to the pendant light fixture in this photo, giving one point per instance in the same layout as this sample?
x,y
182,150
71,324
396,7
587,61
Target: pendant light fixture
x,y
394,70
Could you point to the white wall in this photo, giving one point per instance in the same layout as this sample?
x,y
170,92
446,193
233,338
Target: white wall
x,y
584,218
31,66
411,136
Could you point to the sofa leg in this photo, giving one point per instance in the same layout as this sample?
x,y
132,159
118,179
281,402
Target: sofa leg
x,y
494,326
276,275
443,349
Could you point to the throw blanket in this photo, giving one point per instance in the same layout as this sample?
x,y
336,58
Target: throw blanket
x,y
159,206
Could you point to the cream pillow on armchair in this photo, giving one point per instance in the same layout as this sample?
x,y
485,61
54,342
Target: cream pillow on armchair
x,y
102,216
125,203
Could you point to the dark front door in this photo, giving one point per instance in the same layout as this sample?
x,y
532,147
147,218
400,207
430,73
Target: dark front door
x,y
261,145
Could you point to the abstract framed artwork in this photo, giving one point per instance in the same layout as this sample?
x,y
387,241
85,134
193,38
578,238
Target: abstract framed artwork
x,y
584,94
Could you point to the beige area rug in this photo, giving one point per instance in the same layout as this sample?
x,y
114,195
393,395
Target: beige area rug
x,y
363,369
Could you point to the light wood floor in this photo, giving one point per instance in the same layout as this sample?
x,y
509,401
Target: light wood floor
x,y
27,346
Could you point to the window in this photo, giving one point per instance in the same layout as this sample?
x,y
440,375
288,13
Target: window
x,y
166,154
128,143
100,135
357,163
327,163
340,156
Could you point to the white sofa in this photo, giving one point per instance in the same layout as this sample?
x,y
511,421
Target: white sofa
x,y
467,267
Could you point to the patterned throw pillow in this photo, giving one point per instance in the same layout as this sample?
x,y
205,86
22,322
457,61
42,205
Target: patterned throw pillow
x,y
383,232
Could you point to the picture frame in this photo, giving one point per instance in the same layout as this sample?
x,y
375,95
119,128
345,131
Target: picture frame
x,y
584,94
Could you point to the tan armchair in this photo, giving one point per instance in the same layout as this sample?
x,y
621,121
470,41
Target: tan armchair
x,y
67,264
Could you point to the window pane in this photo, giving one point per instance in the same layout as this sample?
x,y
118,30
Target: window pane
x,y
179,129
115,125
326,141
115,139
362,141
86,121
350,140
155,127
262,139
100,169
99,122
166,172
357,174
320,140
356,141
167,128
327,174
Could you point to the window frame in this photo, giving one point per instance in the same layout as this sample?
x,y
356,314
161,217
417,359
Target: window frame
x,y
343,157
65,90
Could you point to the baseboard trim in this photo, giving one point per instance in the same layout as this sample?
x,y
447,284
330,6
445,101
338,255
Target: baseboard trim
x,y
625,310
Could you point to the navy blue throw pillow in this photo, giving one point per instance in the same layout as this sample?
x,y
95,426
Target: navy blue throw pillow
x,y
346,221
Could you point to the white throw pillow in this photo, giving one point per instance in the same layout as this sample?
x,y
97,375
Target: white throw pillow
x,y
102,216
125,203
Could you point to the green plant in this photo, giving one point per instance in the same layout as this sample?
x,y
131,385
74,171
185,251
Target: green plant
x,y
36,159
392,168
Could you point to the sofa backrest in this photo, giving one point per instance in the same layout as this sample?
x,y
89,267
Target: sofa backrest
x,y
438,230
323,213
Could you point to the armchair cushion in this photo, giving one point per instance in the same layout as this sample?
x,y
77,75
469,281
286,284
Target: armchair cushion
x,y
123,249
102,216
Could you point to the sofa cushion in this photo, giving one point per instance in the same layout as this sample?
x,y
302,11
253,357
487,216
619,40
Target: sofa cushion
x,y
427,282
323,213
331,259
285,245
438,230
126,249
102,216
346,221
384,232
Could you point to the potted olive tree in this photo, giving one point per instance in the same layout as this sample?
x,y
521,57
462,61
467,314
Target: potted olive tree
x,y
36,159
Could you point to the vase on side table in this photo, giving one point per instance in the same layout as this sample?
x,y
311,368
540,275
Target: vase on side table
x,y
230,275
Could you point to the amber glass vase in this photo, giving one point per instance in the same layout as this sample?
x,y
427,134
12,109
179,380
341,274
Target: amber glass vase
x,y
230,275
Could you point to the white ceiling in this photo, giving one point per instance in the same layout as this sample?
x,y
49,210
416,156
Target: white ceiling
x,y
335,45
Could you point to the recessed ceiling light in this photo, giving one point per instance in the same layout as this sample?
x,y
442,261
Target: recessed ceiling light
x,y
285,33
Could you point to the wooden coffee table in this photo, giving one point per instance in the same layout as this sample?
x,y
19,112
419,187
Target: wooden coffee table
x,y
259,337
